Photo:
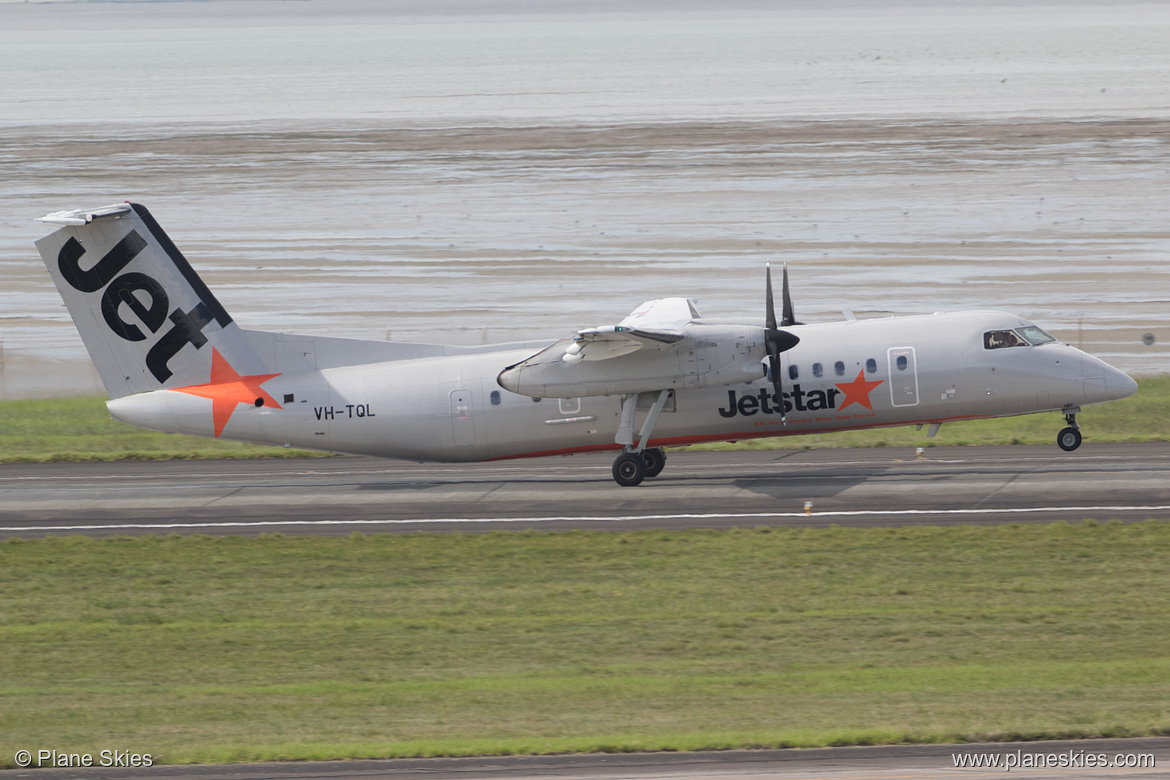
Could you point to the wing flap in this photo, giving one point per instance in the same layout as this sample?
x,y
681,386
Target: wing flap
x,y
617,340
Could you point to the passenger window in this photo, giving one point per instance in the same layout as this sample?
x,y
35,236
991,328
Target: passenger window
x,y
999,339
871,366
901,362
793,373
839,368
495,396
818,371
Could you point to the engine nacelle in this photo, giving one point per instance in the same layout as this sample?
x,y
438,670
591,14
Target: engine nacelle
x,y
707,356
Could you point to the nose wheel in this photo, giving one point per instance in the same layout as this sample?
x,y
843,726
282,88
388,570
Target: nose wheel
x,y
1069,438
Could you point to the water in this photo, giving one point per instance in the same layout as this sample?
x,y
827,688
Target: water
x,y
358,169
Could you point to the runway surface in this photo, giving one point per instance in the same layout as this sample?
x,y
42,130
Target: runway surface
x,y
888,762
878,487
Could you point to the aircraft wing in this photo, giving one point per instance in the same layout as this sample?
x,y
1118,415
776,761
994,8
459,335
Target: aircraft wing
x,y
655,325
663,345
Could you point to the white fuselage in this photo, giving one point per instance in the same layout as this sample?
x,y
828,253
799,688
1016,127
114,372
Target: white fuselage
x,y
848,375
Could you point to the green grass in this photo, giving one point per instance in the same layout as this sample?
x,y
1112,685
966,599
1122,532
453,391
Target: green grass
x,y
73,429
1144,416
82,429
234,649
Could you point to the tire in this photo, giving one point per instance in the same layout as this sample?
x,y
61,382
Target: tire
x,y
655,460
629,469
1068,439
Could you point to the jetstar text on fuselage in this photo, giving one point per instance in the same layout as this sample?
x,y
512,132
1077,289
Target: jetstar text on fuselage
x,y
764,401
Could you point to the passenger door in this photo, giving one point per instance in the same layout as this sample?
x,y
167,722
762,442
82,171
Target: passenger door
x,y
903,376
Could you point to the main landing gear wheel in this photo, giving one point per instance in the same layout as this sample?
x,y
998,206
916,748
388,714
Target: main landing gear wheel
x,y
636,463
655,460
1069,439
629,469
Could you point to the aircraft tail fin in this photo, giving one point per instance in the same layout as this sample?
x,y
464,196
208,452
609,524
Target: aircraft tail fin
x,y
147,319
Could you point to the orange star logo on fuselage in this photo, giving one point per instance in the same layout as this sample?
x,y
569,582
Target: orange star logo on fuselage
x,y
227,389
857,391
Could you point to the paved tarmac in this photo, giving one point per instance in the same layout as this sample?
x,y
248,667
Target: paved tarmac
x,y
888,762
803,488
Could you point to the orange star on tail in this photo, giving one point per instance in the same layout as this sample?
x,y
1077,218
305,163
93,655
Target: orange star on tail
x,y
857,391
227,389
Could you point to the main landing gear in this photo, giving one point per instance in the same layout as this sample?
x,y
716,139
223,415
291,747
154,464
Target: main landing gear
x,y
630,468
655,461
636,462
1070,438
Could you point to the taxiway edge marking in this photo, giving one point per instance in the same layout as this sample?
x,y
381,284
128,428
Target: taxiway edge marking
x,y
589,518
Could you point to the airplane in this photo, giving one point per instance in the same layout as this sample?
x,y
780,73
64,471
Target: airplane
x,y
172,359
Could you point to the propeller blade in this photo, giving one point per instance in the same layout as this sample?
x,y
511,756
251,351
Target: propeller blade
x,y
769,304
787,315
777,383
776,340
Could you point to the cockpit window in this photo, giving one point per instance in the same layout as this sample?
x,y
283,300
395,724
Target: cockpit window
x,y
999,339
1034,335
1027,336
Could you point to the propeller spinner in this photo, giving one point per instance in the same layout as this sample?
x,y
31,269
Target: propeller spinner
x,y
776,340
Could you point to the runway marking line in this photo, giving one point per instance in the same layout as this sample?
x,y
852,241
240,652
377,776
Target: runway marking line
x,y
589,518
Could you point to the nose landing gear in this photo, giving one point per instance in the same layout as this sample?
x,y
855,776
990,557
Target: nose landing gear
x,y
1070,438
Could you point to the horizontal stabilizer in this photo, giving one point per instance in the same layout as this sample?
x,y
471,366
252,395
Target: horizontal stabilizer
x,y
84,217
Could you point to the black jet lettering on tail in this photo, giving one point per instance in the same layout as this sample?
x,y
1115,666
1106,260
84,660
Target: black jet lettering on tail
x,y
122,290
131,288
94,279
188,329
